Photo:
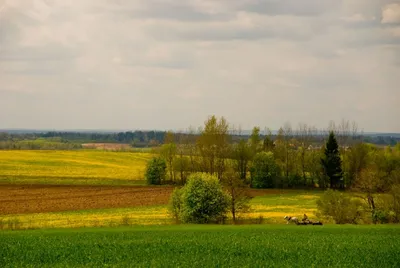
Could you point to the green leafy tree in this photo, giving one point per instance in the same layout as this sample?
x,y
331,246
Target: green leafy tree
x,y
201,200
242,155
369,182
168,152
268,143
182,167
332,163
155,172
238,193
356,160
255,140
264,171
213,145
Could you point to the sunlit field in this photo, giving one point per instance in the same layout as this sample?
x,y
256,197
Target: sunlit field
x,y
73,167
268,208
145,215
272,207
204,246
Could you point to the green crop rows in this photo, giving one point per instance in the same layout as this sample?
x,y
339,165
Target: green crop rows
x,y
204,246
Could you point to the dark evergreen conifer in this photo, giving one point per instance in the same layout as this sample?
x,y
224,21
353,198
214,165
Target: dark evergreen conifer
x,y
331,163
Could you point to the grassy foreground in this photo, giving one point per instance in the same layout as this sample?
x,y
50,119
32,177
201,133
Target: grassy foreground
x,y
204,246
73,167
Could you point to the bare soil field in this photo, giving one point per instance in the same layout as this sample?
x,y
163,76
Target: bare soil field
x,y
24,199
106,146
21,199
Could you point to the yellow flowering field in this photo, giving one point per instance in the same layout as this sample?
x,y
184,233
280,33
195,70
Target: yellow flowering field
x,y
72,167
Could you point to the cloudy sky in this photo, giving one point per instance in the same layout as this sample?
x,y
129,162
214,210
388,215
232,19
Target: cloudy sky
x,y
168,64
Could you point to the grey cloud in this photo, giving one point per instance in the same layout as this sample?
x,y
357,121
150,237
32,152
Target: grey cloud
x,y
281,27
281,60
178,12
47,52
291,7
371,37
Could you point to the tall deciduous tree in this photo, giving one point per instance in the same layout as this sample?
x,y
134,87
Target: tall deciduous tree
x,y
255,140
213,145
268,143
242,155
368,182
332,163
304,135
356,160
168,152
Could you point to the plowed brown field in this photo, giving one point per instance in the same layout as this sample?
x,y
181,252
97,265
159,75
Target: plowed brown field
x,y
19,199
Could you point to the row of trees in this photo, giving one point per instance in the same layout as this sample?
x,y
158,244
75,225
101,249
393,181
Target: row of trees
x,y
39,144
347,131
290,159
134,138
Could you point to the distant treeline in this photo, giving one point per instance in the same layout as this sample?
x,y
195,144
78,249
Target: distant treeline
x,y
138,139
73,140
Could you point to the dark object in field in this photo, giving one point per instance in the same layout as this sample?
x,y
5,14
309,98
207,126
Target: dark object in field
x,y
306,222
317,223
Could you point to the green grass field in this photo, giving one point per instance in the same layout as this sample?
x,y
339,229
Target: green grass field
x,y
73,167
204,246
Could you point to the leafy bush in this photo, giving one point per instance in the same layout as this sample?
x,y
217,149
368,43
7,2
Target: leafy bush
x,y
381,216
340,207
155,172
395,193
264,171
175,204
385,209
201,200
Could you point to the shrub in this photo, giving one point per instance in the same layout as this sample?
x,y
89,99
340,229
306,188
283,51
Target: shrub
x,y
385,209
155,172
381,216
340,207
395,193
201,200
264,171
175,204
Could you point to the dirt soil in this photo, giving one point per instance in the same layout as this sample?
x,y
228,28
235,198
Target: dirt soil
x,y
22,199
106,146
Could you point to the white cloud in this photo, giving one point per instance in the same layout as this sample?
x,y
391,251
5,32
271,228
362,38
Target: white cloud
x,y
391,13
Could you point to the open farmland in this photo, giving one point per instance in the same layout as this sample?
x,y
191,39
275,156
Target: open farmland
x,y
205,246
19,199
73,167
35,206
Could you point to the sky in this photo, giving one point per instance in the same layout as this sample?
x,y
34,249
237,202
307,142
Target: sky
x,y
169,64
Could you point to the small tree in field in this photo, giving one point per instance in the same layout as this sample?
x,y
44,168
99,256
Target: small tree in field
x,y
238,194
201,200
332,163
155,172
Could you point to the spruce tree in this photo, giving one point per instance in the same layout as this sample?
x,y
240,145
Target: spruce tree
x,y
331,163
